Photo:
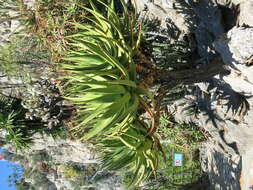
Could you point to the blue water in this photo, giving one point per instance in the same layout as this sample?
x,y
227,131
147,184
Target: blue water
x,y
6,169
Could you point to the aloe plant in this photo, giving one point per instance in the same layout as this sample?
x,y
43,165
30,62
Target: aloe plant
x,y
102,83
102,70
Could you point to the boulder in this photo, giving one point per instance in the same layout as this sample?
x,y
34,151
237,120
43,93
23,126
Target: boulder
x,y
245,17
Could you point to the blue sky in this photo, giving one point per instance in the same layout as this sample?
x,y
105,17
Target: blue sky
x,y
5,171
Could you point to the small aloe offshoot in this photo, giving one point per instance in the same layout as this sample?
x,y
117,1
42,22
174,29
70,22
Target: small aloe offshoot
x,y
102,83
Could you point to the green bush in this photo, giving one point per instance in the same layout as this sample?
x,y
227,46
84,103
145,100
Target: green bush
x,y
15,130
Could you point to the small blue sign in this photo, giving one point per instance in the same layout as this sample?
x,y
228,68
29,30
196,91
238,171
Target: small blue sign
x,y
178,159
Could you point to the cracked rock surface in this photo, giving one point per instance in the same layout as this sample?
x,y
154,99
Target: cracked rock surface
x,y
224,103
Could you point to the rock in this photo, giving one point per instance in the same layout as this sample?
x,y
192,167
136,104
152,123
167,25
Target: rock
x,y
63,150
203,19
208,26
246,179
236,2
236,48
231,134
225,103
245,17
162,10
30,3
223,171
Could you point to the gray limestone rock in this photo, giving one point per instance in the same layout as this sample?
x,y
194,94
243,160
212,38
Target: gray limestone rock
x,y
236,49
223,171
200,19
245,17
225,103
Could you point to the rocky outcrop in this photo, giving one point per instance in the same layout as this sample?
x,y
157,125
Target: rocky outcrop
x,y
223,105
245,17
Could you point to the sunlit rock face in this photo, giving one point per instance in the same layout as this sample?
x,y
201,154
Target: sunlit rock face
x,y
236,49
225,102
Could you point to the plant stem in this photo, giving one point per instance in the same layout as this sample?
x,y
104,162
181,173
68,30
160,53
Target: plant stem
x,y
170,79
190,76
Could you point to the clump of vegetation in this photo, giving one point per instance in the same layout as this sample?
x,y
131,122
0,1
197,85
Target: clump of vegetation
x,y
28,75
185,139
13,128
48,20
183,135
52,25
176,138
